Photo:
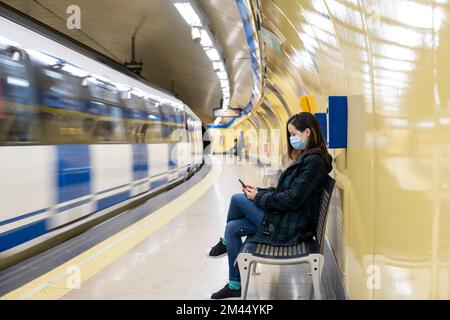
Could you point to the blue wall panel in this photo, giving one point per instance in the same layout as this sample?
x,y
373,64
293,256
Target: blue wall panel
x,y
322,118
337,121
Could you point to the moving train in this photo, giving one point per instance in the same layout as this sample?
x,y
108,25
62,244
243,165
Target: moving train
x,y
80,135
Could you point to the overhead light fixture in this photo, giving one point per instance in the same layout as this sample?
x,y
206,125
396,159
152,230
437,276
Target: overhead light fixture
x,y
205,39
257,91
224,83
222,75
212,54
192,13
196,34
188,13
218,66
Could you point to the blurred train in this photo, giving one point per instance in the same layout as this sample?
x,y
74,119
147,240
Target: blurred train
x,y
79,134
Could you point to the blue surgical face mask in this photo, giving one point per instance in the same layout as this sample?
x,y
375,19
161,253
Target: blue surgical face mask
x,y
297,143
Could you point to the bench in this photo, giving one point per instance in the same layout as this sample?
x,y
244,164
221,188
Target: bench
x,y
310,252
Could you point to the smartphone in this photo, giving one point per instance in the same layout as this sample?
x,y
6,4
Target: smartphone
x,y
243,184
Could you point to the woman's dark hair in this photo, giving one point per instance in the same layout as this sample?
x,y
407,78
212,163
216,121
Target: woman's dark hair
x,y
301,122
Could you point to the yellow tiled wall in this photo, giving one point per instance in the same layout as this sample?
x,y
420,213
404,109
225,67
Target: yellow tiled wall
x,y
392,59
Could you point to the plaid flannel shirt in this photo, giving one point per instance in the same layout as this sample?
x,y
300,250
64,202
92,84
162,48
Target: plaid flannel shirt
x,y
291,206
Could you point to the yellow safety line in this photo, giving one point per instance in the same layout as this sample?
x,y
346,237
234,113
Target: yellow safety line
x,y
59,281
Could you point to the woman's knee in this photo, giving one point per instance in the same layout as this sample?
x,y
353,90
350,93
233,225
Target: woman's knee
x,y
238,228
237,198
232,228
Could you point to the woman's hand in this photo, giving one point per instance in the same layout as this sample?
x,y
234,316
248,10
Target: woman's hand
x,y
250,192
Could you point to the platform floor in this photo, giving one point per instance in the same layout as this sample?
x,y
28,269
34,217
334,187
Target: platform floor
x,y
171,262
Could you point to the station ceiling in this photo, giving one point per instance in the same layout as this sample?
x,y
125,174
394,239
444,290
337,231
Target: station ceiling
x,y
171,59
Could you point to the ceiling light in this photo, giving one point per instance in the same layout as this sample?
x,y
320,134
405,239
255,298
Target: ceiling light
x,y
196,34
205,39
224,83
188,13
213,55
218,66
222,75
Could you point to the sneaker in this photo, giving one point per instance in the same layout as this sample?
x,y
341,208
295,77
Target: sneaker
x,y
226,292
218,251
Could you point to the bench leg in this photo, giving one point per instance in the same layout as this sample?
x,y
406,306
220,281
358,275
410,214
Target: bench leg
x,y
254,272
244,263
316,263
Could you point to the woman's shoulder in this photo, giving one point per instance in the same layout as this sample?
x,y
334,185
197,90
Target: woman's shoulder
x,y
319,156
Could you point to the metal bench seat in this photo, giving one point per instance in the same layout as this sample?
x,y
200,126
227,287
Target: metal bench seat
x,y
280,252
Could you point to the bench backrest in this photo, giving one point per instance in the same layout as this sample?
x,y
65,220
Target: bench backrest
x,y
321,221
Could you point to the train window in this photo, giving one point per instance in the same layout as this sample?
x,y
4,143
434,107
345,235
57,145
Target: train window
x,y
151,105
154,128
102,91
63,116
135,102
153,133
180,131
65,127
169,123
19,114
109,127
133,131
133,122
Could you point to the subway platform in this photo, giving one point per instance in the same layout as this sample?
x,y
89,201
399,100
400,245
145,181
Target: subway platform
x,y
157,251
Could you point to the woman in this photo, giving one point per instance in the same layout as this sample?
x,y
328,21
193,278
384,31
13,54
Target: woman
x,y
280,216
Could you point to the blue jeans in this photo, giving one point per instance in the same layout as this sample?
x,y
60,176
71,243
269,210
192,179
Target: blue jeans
x,y
244,219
